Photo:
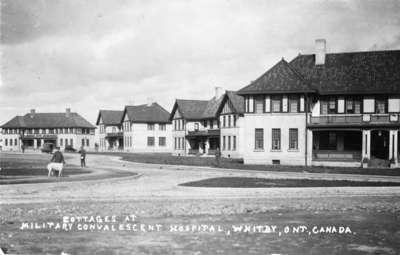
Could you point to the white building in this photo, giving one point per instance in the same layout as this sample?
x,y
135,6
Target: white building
x,y
146,128
110,134
230,113
325,109
196,126
59,129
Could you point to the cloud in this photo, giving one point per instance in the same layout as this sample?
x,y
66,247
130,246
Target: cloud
x,y
97,54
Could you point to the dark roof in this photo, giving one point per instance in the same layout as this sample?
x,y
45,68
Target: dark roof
x,y
236,101
189,109
196,109
352,73
146,114
211,108
110,117
48,120
281,78
370,72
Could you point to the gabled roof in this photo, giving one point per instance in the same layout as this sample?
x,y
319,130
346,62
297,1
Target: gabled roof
x,y
281,78
110,117
211,108
237,102
196,109
368,72
189,109
48,120
146,114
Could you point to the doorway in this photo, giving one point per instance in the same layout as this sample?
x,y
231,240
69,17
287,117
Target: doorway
x,y
380,144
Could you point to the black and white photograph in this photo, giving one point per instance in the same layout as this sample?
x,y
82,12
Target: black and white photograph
x,y
200,127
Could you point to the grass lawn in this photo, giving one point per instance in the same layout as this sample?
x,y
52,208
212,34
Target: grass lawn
x,y
247,182
168,159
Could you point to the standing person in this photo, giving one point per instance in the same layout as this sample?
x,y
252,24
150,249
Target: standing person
x,y
217,156
23,148
83,157
57,162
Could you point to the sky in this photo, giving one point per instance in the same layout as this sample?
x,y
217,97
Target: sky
x,y
102,54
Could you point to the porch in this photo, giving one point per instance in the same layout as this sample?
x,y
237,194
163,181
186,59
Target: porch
x,y
375,147
115,141
203,142
337,146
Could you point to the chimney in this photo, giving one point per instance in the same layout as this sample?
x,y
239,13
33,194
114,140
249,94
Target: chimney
x,y
150,101
320,51
68,112
219,91
32,114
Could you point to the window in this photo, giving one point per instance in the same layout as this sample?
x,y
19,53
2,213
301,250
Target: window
x,y
211,124
293,104
205,123
161,141
66,142
332,105
71,142
150,126
229,121
175,143
83,142
224,121
234,143
353,105
196,126
259,104
276,139
259,139
328,106
162,127
87,142
36,131
234,120
276,103
150,141
15,142
223,143
229,143
380,105
11,142
6,142
61,142
293,138
183,143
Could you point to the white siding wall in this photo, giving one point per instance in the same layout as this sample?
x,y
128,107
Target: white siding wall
x,y
267,122
139,136
8,147
237,131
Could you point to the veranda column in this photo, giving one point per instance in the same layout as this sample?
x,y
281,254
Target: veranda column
x,y
366,144
393,145
187,145
309,147
34,143
207,145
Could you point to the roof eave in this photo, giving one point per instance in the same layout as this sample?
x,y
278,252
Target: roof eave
x,y
253,92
